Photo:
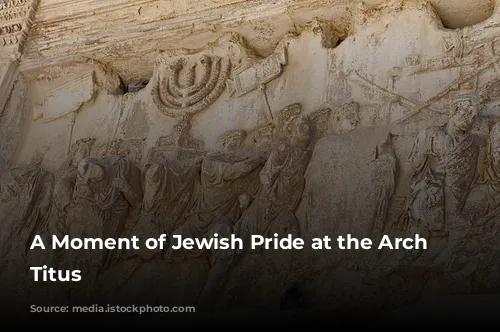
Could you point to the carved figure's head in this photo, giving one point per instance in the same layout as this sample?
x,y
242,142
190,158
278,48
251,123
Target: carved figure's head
x,y
302,134
231,140
495,143
349,116
244,199
90,170
466,110
288,117
81,150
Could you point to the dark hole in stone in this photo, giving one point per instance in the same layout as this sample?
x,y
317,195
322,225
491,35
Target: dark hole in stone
x,y
135,86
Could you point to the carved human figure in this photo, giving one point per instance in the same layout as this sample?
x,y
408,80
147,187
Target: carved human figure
x,y
25,197
443,163
347,118
226,176
170,191
65,184
476,252
483,203
285,121
105,191
171,188
384,171
282,182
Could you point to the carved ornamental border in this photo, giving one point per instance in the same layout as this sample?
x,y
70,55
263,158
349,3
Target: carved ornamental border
x,y
16,18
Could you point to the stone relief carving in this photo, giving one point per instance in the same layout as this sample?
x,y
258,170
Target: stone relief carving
x,y
228,176
66,99
65,183
270,209
443,161
15,21
132,149
385,172
182,95
256,73
481,207
105,191
282,182
8,73
179,145
25,199
16,17
260,179
184,85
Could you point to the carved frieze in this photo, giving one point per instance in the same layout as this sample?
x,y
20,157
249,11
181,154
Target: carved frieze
x,y
15,21
333,162
8,71
185,83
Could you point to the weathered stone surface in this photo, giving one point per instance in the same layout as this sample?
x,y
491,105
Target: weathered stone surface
x,y
308,118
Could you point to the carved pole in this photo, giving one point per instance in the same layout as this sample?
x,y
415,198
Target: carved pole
x,y
72,120
455,83
269,113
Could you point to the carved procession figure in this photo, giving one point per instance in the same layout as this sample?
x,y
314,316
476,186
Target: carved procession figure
x,y
171,188
475,255
105,191
25,198
65,185
282,182
483,203
272,211
384,171
443,163
228,178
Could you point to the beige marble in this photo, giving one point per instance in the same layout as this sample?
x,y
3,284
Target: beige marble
x,y
308,118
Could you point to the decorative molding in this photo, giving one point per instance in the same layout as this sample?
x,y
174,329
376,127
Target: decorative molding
x,y
15,21
16,18
8,73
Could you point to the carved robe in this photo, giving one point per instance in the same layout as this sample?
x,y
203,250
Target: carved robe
x,y
444,169
483,202
100,209
283,182
224,178
171,189
25,206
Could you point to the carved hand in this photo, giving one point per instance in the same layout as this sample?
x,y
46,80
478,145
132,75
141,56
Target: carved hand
x,y
119,184
263,158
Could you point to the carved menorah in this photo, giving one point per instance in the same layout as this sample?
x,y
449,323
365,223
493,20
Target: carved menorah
x,y
177,92
176,95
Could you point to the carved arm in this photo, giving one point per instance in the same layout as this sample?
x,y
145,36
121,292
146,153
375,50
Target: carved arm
x,y
130,195
242,168
272,168
418,154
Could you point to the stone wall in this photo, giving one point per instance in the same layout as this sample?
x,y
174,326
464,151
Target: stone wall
x,y
311,119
